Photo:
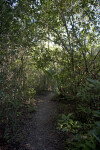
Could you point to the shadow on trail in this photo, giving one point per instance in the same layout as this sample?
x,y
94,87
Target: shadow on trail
x,y
41,128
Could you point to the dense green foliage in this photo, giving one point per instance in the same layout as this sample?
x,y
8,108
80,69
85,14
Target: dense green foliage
x,y
85,123
49,45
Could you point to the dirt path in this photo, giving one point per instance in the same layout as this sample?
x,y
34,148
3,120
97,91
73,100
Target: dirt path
x,y
41,129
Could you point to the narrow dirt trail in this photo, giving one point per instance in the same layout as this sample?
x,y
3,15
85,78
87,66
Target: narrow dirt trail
x,y
41,129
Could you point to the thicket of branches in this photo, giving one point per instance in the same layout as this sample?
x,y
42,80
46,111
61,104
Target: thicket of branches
x,y
48,45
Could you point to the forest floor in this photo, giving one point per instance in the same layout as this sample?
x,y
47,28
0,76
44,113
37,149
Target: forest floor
x,y
40,129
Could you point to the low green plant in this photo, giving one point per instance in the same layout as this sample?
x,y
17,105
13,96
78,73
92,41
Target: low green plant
x,y
89,140
67,124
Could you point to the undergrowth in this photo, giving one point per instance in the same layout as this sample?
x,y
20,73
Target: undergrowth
x,y
83,123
